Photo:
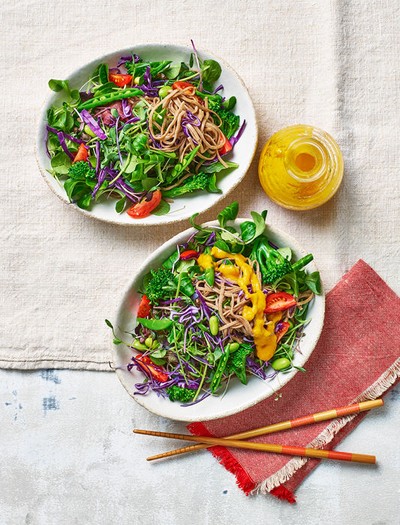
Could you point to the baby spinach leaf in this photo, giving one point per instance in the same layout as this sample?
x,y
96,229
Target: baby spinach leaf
x,y
212,184
248,231
211,71
85,201
159,353
59,85
63,85
222,245
228,214
60,118
216,167
61,163
120,205
259,221
162,209
313,281
173,71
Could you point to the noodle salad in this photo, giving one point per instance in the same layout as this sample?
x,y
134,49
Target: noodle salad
x,y
144,133
226,304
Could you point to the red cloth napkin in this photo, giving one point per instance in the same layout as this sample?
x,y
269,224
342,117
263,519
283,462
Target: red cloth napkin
x,y
356,358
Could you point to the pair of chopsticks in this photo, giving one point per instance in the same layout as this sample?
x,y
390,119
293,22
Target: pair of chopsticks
x,y
236,440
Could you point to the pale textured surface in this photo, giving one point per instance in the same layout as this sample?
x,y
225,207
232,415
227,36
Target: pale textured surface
x,y
331,64
67,454
68,457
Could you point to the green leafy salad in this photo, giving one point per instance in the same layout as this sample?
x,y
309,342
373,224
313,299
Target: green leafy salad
x,y
226,304
143,132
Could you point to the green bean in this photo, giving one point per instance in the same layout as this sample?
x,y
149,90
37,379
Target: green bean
x,y
107,98
214,325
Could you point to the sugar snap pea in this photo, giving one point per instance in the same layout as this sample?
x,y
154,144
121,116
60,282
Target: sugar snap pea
x,y
172,259
139,346
186,285
209,276
107,98
216,381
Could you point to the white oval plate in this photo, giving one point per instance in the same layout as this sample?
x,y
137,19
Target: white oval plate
x,y
183,207
238,396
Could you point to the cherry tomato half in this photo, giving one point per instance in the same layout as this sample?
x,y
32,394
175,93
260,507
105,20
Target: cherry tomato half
x,y
226,147
82,153
120,80
188,254
144,307
283,327
181,84
155,371
145,207
277,302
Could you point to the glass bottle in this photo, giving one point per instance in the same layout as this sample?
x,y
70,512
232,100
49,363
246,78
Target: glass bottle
x,y
300,167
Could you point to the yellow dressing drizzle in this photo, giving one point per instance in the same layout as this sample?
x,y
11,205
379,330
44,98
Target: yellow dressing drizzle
x,y
205,261
264,336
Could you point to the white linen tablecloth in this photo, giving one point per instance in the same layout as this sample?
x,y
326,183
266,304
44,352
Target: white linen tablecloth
x,y
330,63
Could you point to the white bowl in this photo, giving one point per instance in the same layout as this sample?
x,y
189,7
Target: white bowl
x,y
182,207
238,396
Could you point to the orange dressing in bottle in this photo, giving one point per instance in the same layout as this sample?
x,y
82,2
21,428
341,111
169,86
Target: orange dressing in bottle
x,y
301,167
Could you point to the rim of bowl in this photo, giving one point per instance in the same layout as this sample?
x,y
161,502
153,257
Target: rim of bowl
x,y
180,237
218,197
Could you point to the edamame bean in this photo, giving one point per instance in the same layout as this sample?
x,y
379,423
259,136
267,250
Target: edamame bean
x,y
149,342
214,325
233,347
88,131
137,345
280,364
163,92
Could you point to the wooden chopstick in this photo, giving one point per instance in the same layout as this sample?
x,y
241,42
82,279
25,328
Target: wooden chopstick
x,y
283,425
266,447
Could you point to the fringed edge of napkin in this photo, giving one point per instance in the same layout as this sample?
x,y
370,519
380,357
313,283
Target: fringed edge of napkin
x,y
274,484
222,454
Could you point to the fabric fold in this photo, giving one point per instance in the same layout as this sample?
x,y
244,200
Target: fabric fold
x,y
356,358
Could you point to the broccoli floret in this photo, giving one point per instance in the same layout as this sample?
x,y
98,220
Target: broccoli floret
x,y
230,121
198,181
177,393
214,102
162,285
273,265
237,362
81,170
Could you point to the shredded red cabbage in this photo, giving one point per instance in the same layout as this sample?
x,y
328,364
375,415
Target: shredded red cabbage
x,y
93,124
234,140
